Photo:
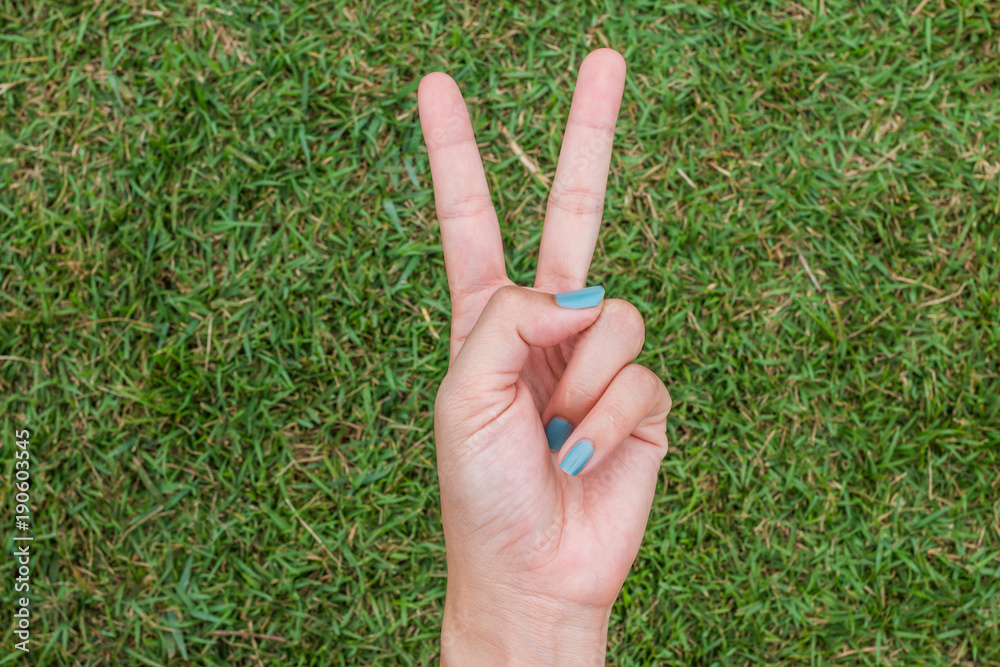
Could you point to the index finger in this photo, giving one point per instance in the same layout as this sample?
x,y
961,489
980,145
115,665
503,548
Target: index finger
x,y
470,231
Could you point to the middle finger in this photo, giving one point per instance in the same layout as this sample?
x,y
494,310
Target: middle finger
x,y
576,202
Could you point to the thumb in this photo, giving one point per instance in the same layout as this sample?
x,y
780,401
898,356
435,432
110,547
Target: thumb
x,y
514,320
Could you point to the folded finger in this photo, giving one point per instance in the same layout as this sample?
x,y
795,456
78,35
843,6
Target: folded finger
x,y
600,352
635,403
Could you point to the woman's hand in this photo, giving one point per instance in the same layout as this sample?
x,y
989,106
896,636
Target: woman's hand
x,y
549,438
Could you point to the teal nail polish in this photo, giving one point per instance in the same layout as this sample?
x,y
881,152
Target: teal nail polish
x,y
577,457
556,433
588,297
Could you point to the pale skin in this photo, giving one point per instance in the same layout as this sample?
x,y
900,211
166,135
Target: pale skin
x,y
537,556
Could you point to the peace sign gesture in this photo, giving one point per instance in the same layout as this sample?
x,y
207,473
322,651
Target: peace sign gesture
x,y
539,538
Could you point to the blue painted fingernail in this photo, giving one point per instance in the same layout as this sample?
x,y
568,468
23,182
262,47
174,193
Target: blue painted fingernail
x,y
556,433
588,297
577,457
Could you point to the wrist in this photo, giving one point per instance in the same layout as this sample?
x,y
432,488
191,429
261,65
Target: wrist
x,y
492,625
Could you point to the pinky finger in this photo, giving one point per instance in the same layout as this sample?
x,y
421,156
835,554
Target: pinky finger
x,y
635,403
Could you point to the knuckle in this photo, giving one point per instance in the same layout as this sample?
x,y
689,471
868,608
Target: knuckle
x,y
640,377
576,200
617,420
649,383
557,276
646,382
506,296
469,206
580,395
625,323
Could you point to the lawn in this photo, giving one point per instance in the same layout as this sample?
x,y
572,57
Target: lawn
x,y
224,316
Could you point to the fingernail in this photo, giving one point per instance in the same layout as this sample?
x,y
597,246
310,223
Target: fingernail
x,y
588,297
556,433
577,457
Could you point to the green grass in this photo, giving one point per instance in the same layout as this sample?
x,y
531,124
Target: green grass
x,y
223,316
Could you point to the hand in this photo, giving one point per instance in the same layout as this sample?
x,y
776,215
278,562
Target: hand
x,y
539,542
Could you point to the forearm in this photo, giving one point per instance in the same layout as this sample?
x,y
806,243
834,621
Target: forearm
x,y
487,627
